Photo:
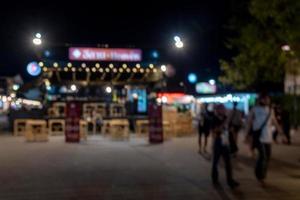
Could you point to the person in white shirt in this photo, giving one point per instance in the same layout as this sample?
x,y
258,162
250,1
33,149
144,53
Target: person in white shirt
x,y
260,121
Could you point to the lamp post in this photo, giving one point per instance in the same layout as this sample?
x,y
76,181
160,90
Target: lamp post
x,y
293,64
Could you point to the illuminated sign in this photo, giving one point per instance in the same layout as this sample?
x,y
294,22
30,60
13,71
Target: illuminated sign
x,y
205,88
104,54
33,69
141,96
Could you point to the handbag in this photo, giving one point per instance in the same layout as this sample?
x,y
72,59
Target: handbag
x,y
257,133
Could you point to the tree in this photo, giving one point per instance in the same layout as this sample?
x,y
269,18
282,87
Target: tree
x,y
259,60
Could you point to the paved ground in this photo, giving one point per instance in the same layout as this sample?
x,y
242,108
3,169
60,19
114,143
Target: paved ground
x,y
105,169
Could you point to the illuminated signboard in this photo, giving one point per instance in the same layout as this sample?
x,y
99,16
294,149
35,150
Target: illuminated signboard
x,y
105,54
141,96
205,88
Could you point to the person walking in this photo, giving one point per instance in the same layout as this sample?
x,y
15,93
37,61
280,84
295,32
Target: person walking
x,y
204,127
221,146
235,124
260,121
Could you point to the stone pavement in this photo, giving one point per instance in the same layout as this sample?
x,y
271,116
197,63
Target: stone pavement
x,y
104,169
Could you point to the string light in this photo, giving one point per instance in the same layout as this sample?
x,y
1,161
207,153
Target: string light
x,y
73,69
87,69
151,66
107,70
97,65
124,66
111,66
55,64
142,70
101,70
83,65
128,70
41,64
138,65
134,70
65,69
93,69
120,70
69,64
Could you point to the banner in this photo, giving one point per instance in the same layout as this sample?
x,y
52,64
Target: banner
x,y
73,115
105,54
155,123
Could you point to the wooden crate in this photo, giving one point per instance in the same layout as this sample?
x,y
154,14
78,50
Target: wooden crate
x,y
36,130
56,126
142,127
19,127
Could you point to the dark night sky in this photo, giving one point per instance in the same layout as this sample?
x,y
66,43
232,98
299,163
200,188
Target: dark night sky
x,y
144,25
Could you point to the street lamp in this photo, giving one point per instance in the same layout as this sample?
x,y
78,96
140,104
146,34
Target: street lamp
x,y
178,42
37,40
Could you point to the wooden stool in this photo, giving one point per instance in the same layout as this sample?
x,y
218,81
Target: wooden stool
x,y
36,130
83,129
119,129
56,126
19,127
142,127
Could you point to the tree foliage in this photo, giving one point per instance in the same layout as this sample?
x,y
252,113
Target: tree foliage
x,y
260,59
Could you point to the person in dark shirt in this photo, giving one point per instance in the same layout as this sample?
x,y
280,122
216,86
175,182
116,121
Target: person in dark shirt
x,y
221,146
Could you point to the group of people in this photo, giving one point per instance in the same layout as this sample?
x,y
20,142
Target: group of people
x,y
225,125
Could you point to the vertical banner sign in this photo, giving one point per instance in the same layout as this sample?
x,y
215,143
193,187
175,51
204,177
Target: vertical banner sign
x,y
72,121
155,123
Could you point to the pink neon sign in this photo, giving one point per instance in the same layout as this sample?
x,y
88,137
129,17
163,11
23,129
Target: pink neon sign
x,y
103,54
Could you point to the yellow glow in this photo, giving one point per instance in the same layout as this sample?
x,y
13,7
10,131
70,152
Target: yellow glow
x,y
101,70
55,64
73,69
69,64
128,70
138,65
87,69
65,69
93,69
115,70
41,64
142,70
83,65
151,66
97,65
111,66
124,66
134,70
121,70
107,70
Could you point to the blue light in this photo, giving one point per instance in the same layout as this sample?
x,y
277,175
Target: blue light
x,y
155,54
33,69
47,53
192,78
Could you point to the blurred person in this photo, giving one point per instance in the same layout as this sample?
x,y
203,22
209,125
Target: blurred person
x,y
260,121
235,124
221,146
204,126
